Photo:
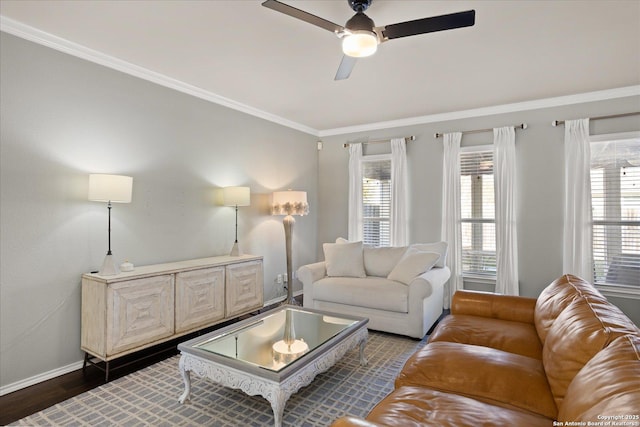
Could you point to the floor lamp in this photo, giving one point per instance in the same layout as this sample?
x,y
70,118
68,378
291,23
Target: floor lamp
x,y
110,189
236,196
289,203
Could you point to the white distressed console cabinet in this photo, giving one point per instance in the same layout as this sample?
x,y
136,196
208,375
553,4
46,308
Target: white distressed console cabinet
x,y
131,311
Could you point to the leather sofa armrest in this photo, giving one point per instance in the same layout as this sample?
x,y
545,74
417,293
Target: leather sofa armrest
x,y
349,421
496,306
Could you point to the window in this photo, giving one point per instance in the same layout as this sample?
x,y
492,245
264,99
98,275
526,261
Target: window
x,y
477,212
376,200
615,204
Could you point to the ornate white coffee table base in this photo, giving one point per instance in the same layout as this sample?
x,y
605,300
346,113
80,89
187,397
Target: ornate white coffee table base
x,y
276,392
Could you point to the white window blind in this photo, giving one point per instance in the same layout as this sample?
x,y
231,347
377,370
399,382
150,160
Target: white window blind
x,y
376,202
615,201
477,212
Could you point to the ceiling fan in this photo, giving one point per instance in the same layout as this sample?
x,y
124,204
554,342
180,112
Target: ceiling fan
x,y
360,37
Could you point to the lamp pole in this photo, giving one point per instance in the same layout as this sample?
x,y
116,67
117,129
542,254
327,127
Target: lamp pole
x,y
109,228
236,223
288,223
289,203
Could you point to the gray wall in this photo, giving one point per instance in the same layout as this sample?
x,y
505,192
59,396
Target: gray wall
x,y
63,118
539,155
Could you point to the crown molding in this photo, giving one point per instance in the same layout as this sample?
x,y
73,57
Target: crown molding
x,y
27,32
32,34
559,101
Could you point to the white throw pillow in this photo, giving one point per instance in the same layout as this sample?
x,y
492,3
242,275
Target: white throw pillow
x,y
413,264
438,247
379,261
344,259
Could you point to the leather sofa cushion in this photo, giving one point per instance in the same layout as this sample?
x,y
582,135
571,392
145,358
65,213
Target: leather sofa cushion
x,y
380,261
419,406
584,328
608,385
513,337
485,304
556,297
349,421
371,292
487,374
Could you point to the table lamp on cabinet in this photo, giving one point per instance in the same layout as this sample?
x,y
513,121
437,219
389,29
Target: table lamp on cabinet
x,y
110,189
236,196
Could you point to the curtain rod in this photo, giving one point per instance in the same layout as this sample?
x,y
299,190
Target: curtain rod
x,y
380,141
613,116
520,126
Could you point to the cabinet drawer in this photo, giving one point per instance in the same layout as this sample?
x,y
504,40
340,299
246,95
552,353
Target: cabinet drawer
x,y
141,312
199,298
244,284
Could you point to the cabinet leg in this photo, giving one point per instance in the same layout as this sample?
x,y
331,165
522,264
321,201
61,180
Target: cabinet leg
x,y
86,359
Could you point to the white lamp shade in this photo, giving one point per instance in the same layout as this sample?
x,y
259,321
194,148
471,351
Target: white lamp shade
x,y
236,196
289,203
110,188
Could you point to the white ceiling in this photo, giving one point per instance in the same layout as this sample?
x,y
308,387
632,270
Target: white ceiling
x,y
243,54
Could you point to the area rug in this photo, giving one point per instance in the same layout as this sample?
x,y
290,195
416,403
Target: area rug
x,y
149,397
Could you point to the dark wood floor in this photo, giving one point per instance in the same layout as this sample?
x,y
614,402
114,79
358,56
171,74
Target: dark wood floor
x,y
27,401
24,402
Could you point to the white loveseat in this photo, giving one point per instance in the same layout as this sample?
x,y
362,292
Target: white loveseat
x,y
400,289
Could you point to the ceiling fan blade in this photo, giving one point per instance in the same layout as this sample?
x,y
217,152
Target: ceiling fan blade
x,y
303,16
429,25
346,65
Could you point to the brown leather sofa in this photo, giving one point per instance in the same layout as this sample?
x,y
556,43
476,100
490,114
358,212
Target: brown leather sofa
x,y
567,358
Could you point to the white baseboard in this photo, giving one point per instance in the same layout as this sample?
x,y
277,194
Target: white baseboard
x,y
27,382
18,385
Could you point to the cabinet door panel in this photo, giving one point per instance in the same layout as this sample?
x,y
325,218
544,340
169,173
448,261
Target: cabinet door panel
x,y
142,312
244,287
199,298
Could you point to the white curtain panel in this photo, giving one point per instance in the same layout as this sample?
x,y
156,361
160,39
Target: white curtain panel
x,y
504,158
355,193
399,193
577,250
451,212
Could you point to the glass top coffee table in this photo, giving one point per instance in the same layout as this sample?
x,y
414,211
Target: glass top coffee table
x,y
273,354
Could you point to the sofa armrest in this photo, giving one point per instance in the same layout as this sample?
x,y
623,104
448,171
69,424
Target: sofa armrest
x,y
421,286
308,274
312,272
496,306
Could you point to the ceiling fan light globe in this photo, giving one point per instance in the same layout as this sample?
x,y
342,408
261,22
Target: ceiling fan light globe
x,y
360,44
